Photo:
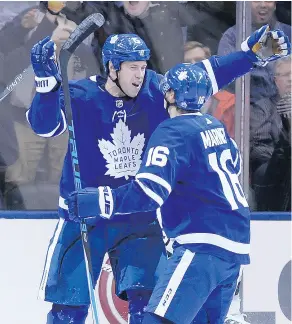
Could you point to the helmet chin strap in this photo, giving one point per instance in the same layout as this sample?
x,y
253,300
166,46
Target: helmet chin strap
x,y
117,83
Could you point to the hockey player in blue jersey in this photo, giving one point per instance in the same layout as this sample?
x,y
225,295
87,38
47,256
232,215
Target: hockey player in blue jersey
x,y
113,120
190,170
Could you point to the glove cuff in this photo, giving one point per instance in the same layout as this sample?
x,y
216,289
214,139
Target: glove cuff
x,y
46,84
106,202
251,55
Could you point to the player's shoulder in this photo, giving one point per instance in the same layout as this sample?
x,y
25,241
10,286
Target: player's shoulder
x,y
169,128
191,125
87,88
153,76
193,121
169,134
151,84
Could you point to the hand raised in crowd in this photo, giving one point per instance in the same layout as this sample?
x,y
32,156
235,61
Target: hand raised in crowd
x,y
63,30
30,19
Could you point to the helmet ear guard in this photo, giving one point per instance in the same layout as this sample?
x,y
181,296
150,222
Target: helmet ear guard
x,y
115,65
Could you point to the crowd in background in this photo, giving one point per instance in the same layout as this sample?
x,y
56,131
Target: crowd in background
x,y
185,31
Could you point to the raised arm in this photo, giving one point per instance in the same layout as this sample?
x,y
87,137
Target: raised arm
x,y
259,49
45,115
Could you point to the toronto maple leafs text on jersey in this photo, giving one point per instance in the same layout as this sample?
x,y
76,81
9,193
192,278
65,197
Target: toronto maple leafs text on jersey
x,y
111,133
122,153
190,170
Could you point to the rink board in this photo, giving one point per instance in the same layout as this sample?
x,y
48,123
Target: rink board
x,y
24,239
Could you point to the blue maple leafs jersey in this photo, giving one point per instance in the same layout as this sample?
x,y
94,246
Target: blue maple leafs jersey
x,y
112,133
190,170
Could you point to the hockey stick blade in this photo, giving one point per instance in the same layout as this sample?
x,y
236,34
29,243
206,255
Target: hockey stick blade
x,y
83,30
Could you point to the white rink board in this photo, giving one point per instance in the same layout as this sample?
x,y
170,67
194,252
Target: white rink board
x,y
22,249
271,250
23,245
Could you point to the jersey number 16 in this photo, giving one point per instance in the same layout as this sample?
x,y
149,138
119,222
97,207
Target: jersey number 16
x,y
157,156
228,179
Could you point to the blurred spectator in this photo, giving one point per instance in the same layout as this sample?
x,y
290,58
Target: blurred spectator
x,y
158,23
283,11
270,156
223,108
222,104
8,144
160,27
262,80
10,9
40,159
195,52
212,18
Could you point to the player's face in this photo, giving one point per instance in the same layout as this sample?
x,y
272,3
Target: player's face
x,y
135,8
283,78
131,77
262,11
194,55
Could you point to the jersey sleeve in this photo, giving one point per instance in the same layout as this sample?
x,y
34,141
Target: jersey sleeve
x,y
47,116
165,158
222,70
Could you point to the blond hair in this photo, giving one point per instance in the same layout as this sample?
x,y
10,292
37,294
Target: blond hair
x,y
284,60
194,44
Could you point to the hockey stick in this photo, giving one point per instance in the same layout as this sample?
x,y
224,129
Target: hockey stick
x,y
14,83
83,30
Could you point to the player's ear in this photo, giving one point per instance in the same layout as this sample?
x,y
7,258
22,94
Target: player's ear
x,y
171,96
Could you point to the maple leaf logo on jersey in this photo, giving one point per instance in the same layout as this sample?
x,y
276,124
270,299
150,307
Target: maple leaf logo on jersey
x,y
123,155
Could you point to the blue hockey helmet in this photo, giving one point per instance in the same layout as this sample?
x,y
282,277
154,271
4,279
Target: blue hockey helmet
x,y
124,47
191,85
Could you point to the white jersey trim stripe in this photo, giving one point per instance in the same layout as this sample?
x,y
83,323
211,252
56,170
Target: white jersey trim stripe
x,y
93,78
54,130
50,133
26,114
156,179
159,216
238,157
62,203
211,74
50,253
150,193
214,239
174,283
64,122
195,114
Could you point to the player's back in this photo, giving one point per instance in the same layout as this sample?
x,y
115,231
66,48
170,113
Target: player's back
x,y
207,204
